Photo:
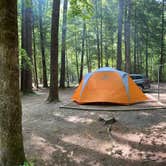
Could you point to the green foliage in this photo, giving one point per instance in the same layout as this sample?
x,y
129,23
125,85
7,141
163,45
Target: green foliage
x,y
28,3
27,164
82,8
26,59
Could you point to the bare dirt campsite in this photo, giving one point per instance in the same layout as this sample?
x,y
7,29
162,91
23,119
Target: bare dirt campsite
x,y
68,137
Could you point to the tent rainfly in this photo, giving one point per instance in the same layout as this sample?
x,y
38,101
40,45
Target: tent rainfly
x,y
108,85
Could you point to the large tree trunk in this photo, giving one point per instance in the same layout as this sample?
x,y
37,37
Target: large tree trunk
x,y
53,90
26,74
119,45
42,43
11,140
63,52
127,36
82,52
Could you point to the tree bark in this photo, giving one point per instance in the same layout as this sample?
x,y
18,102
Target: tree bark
x,y
135,40
101,33
76,56
82,52
97,34
26,78
127,35
53,90
34,56
162,60
63,51
11,139
119,44
147,55
42,43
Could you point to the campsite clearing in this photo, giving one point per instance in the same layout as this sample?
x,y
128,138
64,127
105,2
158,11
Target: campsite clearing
x,y
70,137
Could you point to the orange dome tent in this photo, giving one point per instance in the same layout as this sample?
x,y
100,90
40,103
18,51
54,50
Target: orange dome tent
x,y
108,85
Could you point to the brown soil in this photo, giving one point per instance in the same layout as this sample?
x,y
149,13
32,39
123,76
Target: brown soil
x,y
66,137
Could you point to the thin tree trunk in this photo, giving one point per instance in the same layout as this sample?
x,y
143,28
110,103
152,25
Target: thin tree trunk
x,y
127,36
67,72
147,55
87,54
34,54
97,34
63,52
119,44
76,56
162,60
11,139
106,55
83,50
53,90
42,43
101,33
135,40
34,57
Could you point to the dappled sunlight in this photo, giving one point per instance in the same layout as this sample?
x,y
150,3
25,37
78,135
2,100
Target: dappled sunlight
x,y
147,145
145,114
156,134
44,148
125,151
78,119
89,142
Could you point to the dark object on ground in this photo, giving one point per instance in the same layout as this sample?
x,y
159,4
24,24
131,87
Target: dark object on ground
x,y
142,81
107,121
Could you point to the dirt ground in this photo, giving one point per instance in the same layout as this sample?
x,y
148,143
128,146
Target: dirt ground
x,y
66,137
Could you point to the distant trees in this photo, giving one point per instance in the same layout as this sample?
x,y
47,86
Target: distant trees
x,y
53,90
123,34
11,139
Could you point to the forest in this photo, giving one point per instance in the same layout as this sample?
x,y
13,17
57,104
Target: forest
x,y
127,35
48,46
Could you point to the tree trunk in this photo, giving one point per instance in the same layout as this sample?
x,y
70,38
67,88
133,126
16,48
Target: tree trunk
x,y
83,50
34,56
76,56
106,55
127,36
146,55
101,33
26,78
88,60
42,43
63,53
53,90
119,44
67,72
162,60
11,139
97,35
135,39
